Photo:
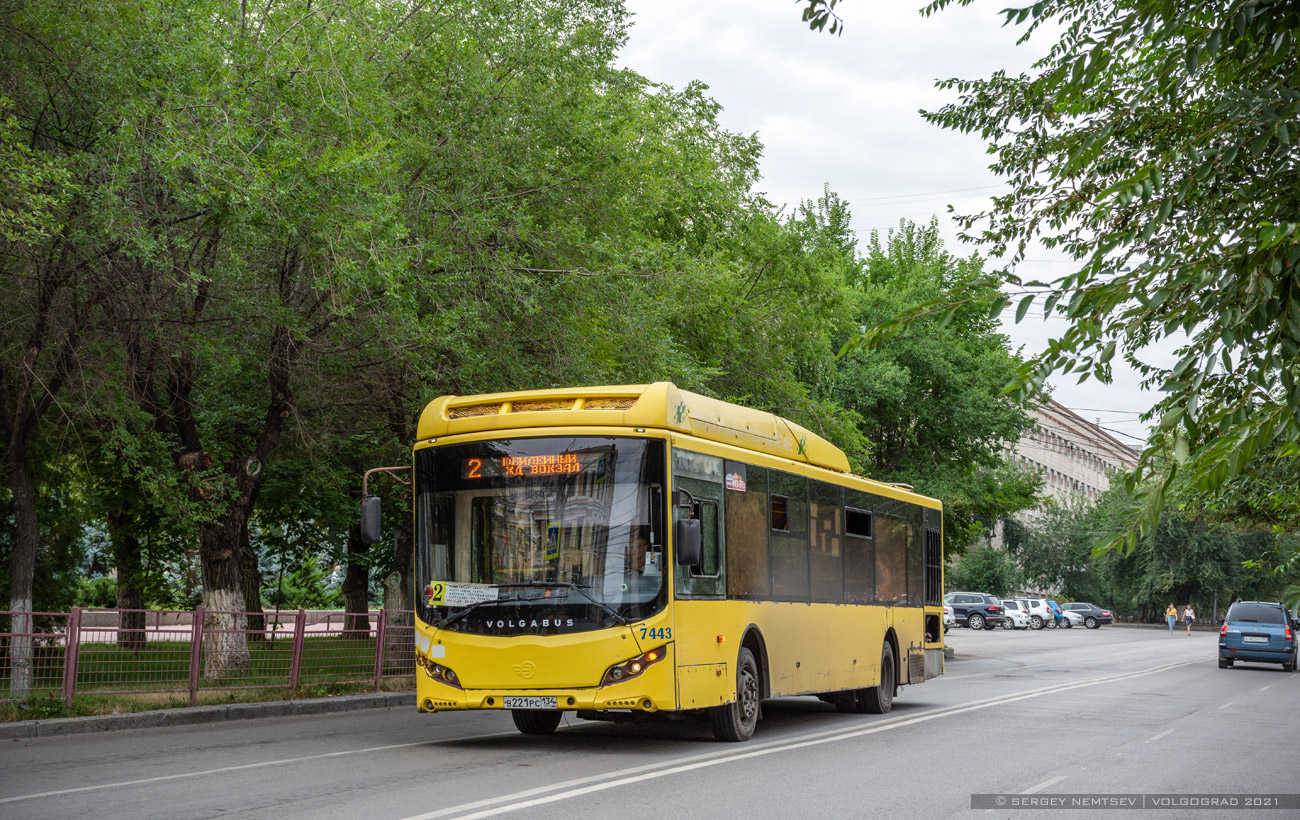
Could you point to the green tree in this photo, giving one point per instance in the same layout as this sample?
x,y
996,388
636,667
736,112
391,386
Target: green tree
x,y
929,400
1155,144
988,570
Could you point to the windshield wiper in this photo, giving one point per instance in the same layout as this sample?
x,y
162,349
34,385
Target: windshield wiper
x,y
451,619
568,585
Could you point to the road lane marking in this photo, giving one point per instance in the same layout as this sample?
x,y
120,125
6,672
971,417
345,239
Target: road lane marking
x,y
1165,733
244,766
1266,688
639,775
1226,705
1044,784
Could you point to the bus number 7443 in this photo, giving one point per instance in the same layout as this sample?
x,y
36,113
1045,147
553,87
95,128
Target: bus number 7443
x,y
663,633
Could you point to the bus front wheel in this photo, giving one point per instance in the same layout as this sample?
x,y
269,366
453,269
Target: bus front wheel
x,y
536,721
735,721
878,699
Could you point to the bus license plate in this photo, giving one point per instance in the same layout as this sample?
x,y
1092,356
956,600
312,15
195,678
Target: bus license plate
x,y
530,703
1253,639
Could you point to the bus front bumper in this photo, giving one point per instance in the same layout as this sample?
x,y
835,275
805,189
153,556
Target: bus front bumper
x,y
446,699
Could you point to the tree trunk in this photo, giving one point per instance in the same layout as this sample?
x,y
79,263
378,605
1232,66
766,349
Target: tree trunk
x,y
130,580
225,623
399,646
356,585
251,575
26,541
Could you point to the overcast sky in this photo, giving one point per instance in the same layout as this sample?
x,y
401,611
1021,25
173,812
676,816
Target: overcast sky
x,y
843,110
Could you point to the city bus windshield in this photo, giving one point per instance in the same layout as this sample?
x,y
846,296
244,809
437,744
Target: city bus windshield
x,y
540,535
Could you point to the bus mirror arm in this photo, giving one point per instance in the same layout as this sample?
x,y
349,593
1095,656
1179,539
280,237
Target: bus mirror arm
x,y
371,530
688,540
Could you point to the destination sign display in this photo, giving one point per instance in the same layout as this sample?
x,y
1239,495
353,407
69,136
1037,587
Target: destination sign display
x,y
522,466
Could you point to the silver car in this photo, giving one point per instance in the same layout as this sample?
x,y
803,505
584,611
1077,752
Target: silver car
x,y
1017,615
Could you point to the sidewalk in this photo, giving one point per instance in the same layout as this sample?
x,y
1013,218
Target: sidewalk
x,y
185,716
1178,628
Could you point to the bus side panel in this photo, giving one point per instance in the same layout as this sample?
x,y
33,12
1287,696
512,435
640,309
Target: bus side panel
x,y
810,648
822,647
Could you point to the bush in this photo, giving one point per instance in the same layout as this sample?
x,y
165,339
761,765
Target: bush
x,y
100,593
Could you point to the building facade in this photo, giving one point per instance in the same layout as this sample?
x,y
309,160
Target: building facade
x,y
1075,457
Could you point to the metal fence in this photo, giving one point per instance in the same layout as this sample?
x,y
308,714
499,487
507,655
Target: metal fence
x,y
142,652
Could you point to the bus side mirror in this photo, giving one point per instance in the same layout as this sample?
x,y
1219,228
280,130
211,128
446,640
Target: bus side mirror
x,y
688,539
370,521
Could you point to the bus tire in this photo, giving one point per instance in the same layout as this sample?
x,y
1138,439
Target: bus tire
x,y
536,721
735,721
878,699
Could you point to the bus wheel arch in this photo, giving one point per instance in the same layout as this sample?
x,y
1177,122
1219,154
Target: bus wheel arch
x,y
753,641
879,699
891,640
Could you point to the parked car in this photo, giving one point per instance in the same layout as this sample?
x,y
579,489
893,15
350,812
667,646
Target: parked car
x,y
1070,618
976,609
1038,612
948,620
1091,615
1017,614
1058,618
1258,631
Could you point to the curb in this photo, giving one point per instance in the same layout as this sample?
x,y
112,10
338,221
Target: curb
x,y
188,716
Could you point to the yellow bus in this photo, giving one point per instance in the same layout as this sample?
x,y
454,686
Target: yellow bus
x,y
633,551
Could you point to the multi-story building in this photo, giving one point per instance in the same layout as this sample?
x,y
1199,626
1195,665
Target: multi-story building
x,y
1075,457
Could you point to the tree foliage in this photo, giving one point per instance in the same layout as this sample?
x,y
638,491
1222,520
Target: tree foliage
x,y
988,570
929,400
1187,557
1155,144
244,244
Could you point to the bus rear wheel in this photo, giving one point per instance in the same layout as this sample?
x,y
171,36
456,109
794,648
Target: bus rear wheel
x,y
735,721
878,699
536,721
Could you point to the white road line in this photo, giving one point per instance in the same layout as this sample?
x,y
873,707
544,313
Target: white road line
x,y
1044,784
264,763
1226,705
628,777
1165,733
1266,688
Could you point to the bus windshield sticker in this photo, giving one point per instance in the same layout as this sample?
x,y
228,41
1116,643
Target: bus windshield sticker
x,y
441,593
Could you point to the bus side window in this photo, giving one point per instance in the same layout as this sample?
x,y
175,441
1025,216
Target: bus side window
x,y
706,510
891,551
790,548
747,525
701,475
826,562
859,549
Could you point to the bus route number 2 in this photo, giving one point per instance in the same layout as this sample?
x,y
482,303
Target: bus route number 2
x,y
662,633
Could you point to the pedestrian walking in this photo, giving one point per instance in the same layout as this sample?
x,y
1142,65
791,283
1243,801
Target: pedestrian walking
x,y
1171,615
1188,615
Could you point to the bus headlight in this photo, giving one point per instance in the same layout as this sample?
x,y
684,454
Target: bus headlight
x,y
438,672
633,668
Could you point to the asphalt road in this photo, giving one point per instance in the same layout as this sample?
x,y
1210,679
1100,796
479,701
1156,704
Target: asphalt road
x,y
1108,711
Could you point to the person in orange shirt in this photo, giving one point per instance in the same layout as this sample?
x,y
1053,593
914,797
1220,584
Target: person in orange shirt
x,y
1171,615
